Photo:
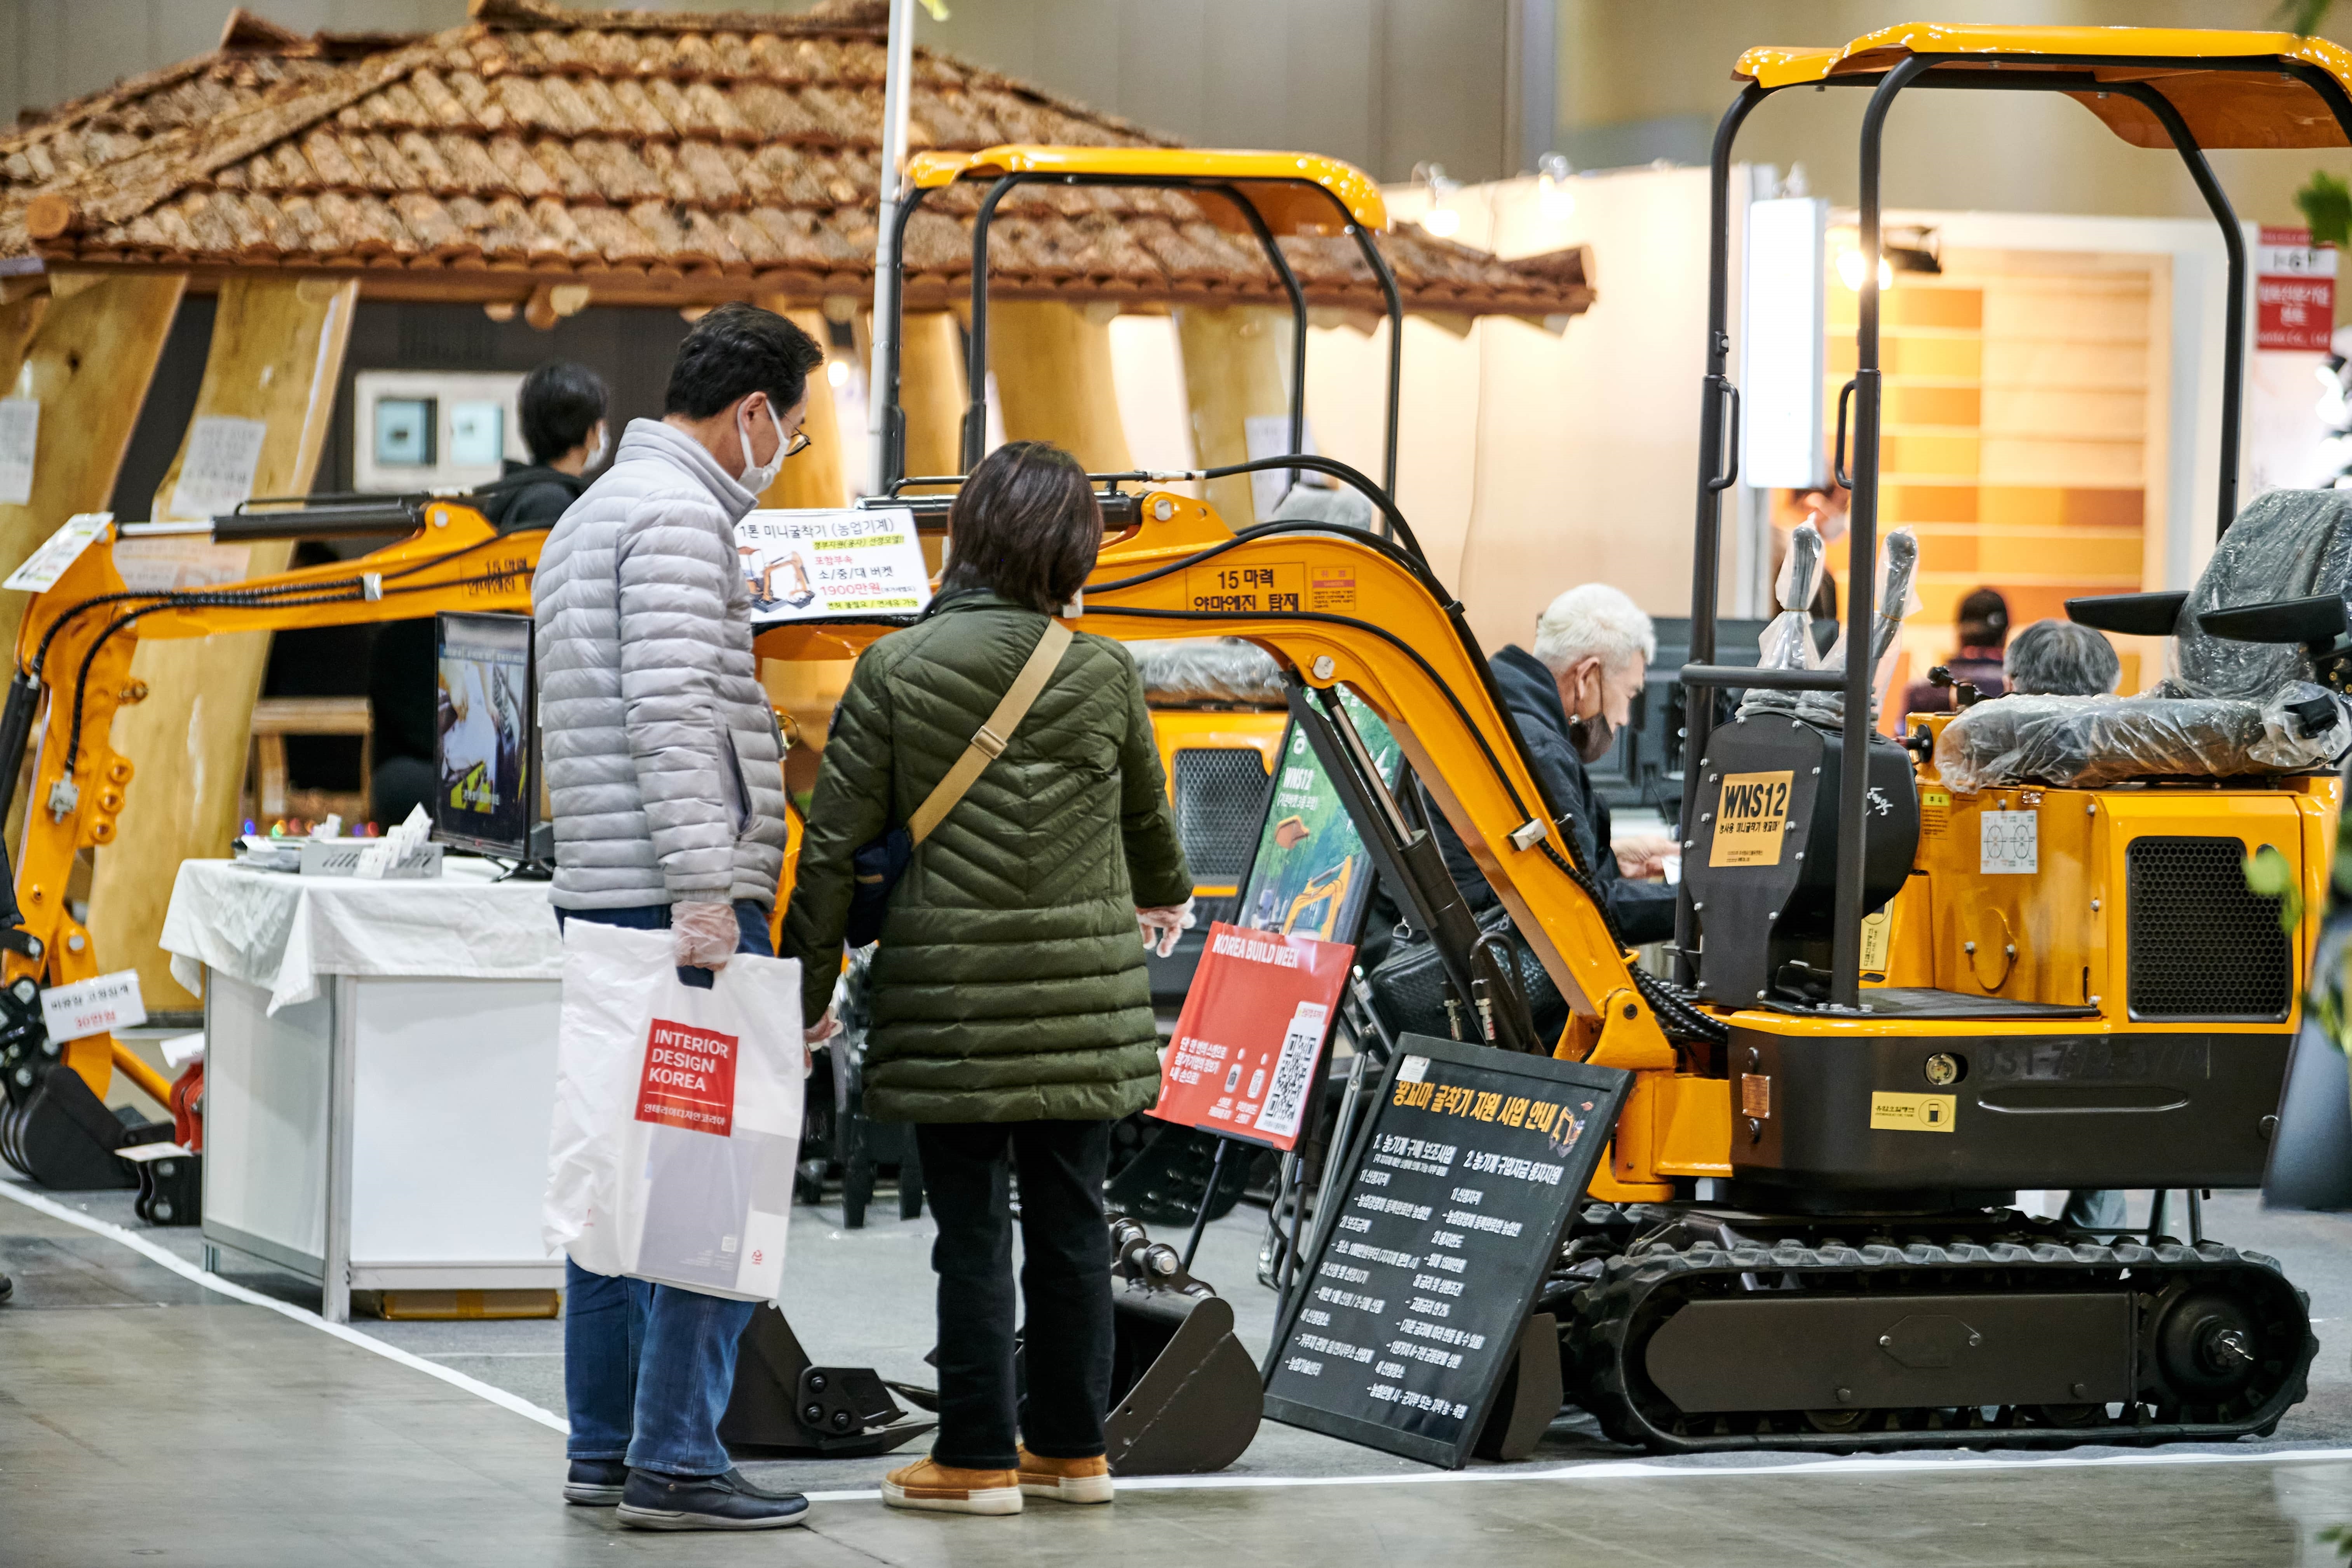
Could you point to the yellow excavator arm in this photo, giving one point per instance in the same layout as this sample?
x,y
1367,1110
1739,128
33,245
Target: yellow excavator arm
x,y
73,672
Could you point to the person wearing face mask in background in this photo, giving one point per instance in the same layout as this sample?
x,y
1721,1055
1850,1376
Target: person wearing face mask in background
x,y
1570,697
561,406
664,769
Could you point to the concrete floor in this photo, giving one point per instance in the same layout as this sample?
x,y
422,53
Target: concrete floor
x,y
142,1415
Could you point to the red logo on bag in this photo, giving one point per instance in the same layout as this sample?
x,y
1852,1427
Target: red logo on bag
x,y
690,1078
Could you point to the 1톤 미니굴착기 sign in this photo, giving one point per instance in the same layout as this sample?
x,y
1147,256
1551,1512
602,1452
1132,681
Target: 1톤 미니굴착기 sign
x,y
1445,1219
807,565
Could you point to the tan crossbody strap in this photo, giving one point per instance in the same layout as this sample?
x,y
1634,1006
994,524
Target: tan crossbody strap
x,y
988,741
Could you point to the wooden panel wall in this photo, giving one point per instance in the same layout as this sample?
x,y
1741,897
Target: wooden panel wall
x,y
2024,438
277,350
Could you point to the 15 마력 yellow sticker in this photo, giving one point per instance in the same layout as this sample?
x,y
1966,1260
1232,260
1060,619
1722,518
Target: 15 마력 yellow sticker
x,y
1749,818
1914,1112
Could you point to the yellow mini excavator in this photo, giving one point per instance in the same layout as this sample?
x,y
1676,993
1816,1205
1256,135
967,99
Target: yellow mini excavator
x,y
1855,1275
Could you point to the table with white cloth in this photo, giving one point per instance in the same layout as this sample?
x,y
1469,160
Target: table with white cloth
x,y
379,1073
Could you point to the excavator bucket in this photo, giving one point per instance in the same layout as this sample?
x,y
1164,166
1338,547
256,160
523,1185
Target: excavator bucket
x,y
1185,1397
782,1406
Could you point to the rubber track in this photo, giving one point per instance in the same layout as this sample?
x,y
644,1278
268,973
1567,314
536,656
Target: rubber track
x,y
1605,1311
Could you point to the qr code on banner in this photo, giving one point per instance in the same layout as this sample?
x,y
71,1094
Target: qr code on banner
x,y
1285,1098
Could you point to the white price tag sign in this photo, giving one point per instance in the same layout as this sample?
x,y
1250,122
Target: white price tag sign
x,y
20,435
99,1005
43,567
217,474
2011,844
803,564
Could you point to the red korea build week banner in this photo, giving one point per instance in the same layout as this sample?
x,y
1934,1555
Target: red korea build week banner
x,y
1244,1061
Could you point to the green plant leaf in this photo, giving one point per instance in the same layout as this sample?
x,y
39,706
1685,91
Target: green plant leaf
x,y
2303,16
2325,201
2272,875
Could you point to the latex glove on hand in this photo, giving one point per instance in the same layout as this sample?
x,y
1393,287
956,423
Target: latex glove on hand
x,y
815,1034
1162,926
704,936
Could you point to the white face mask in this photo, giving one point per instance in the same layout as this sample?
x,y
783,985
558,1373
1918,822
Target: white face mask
x,y
596,449
755,478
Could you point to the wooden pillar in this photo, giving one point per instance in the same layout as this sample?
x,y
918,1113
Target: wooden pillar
x,y
1234,358
815,478
930,385
20,318
1053,379
277,352
86,360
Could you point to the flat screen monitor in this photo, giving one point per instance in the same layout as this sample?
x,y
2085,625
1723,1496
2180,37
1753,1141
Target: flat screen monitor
x,y
487,763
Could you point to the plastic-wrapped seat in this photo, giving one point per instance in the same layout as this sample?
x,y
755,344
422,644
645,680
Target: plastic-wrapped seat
x,y
2249,698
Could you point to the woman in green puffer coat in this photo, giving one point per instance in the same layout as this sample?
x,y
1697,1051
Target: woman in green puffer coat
x,y
1013,1017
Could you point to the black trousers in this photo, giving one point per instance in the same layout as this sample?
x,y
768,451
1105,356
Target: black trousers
x,y
1064,1285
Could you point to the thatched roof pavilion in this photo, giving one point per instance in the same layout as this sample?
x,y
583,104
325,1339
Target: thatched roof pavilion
x,y
656,157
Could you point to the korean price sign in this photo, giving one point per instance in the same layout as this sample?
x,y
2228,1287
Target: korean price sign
x,y
1251,1034
806,566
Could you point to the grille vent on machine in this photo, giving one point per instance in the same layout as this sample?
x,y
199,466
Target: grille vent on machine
x,y
2203,944
1219,801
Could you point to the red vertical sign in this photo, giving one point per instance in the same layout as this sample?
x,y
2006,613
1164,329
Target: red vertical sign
x,y
1244,1061
2295,292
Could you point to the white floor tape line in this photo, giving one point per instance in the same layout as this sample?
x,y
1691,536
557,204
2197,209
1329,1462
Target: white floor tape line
x,y
1857,1465
1642,1470
13,1192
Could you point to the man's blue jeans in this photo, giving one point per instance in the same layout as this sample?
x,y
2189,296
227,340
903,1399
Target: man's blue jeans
x,y
648,1368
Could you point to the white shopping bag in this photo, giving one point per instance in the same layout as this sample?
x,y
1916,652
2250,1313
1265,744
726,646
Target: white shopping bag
x,y
677,1115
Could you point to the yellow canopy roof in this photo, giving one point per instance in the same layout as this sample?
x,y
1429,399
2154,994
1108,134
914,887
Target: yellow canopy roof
x,y
1268,179
2227,98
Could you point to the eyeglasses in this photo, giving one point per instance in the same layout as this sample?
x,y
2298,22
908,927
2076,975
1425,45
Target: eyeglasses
x,y
799,443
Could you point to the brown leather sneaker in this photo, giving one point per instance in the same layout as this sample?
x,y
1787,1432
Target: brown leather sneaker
x,y
944,1489
1065,1481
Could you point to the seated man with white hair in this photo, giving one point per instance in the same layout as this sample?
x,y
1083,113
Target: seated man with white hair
x,y
1570,697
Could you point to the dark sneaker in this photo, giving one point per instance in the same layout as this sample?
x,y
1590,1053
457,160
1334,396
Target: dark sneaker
x,y
651,1500
596,1483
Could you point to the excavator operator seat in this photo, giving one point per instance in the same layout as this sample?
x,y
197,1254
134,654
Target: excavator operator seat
x,y
2261,655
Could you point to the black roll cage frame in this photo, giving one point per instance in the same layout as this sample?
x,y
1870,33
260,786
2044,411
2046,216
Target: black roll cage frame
x,y
974,434
1717,469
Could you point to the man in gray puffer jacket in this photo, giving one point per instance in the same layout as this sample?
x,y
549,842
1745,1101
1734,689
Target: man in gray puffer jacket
x,y
662,762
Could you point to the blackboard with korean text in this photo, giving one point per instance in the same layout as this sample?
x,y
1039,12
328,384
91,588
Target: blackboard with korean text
x,y
1444,1218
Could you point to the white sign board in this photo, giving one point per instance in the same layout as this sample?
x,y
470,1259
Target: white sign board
x,y
803,565
1268,435
2010,844
1781,331
43,567
99,1005
20,432
217,474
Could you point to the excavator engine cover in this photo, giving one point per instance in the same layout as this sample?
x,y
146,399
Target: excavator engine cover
x,y
1763,867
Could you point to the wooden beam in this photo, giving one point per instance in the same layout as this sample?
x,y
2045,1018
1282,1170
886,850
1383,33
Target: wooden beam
x,y
815,478
1232,372
19,319
276,352
1053,379
86,361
